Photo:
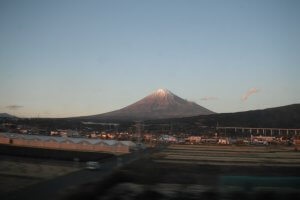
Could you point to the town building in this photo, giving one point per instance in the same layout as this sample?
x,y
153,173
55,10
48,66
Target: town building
x,y
296,140
193,139
167,138
67,143
223,141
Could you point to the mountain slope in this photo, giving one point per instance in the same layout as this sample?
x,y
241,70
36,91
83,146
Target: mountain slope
x,y
158,105
278,117
6,115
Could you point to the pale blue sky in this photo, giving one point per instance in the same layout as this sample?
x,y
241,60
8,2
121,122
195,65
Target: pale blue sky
x,y
67,58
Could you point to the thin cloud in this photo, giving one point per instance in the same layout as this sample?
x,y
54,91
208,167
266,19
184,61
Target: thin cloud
x,y
14,107
249,93
208,98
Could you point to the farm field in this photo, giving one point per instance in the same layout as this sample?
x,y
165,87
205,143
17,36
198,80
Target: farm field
x,y
231,155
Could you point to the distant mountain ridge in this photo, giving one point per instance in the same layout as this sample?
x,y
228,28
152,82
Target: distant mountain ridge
x,y
159,105
6,115
278,117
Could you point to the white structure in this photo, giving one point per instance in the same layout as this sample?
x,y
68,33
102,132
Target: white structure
x,y
193,139
167,138
223,141
67,143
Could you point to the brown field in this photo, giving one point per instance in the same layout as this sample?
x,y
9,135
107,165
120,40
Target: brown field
x,y
230,155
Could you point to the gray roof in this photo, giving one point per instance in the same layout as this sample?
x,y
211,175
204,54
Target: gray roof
x,y
73,140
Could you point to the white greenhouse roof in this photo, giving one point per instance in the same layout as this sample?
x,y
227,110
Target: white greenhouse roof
x,y
62,139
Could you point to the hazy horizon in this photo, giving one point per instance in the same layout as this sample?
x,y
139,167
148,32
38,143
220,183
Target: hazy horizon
x,y
75,58
38,116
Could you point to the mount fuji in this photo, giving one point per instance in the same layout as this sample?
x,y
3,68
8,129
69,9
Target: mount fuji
x,y
160,104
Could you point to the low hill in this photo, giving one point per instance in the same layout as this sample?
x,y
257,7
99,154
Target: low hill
x,y
279,117
6,115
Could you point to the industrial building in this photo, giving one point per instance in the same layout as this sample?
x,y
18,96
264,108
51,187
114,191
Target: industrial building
x,y
67,143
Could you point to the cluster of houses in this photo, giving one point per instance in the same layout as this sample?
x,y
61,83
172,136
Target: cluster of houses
x,y
253,140
151,137
29,130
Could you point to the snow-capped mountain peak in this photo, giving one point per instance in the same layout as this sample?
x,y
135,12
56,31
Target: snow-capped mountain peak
x,y
162,103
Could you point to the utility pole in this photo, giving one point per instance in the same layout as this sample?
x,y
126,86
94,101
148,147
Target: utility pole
x,y
139,134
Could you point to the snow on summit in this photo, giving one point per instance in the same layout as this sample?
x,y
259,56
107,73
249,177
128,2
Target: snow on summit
x,y
162,92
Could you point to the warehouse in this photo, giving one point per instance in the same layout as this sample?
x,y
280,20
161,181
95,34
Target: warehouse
x,y
67,143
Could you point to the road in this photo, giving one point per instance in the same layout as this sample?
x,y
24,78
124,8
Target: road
x,y
54,188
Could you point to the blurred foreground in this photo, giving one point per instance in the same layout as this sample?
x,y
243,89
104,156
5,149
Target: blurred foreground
x,y
203,172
